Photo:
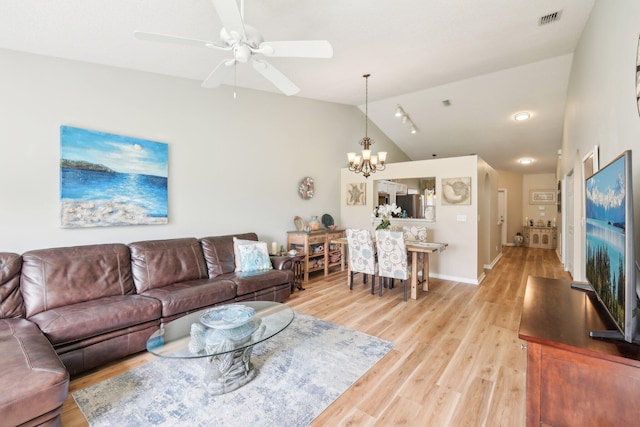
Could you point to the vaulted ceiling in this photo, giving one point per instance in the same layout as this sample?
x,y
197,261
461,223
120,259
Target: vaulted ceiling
x,y
489,59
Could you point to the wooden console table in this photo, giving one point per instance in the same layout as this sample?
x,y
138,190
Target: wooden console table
x,y
316,247
572,379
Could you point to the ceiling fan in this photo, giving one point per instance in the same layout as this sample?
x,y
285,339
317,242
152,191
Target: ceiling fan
x,y
245,42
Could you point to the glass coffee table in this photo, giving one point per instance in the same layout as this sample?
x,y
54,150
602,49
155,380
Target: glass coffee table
x,y
225,335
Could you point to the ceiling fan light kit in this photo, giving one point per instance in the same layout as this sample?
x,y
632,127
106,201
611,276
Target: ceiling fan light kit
x,y
245,41
366,163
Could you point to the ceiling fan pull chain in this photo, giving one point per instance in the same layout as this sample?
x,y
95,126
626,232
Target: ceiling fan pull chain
x,y
235,73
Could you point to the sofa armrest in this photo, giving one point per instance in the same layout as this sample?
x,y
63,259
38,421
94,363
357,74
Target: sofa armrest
x,y
282,262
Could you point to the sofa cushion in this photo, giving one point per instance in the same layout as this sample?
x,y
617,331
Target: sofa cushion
x,y
36,383
185,297
60,277
80,321
158,263
219,254
248,282
11,304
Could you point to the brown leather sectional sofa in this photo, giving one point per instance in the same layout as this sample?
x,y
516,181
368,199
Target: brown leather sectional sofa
x,y
67,310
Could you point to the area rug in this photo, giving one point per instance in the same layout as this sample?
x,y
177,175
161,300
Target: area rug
x,y
301,371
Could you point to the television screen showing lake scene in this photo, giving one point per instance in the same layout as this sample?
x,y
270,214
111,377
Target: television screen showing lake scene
x,y
109,180
605,231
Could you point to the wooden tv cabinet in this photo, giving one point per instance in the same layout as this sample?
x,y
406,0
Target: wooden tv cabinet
x,y
572,379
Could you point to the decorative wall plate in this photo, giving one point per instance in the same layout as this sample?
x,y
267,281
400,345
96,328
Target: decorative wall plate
x,y
327,220
298,222
306,188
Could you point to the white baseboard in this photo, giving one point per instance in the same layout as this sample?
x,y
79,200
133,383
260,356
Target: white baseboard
x,y
457,279
494,262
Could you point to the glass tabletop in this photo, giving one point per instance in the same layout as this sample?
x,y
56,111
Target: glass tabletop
x,y
187,337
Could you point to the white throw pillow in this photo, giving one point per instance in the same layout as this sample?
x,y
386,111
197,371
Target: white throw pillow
x,y
256,252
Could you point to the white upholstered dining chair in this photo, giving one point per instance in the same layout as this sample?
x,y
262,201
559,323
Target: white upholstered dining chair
x,y
362,256
416,234
392,258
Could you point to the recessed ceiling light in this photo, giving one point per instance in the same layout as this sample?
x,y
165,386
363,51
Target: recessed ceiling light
x,y
525,161
525,115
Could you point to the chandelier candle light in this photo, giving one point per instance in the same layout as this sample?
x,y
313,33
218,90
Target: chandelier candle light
x,y
367,163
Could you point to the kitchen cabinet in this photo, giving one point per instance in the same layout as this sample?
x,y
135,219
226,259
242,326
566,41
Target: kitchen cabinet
x,y
391,188
316,248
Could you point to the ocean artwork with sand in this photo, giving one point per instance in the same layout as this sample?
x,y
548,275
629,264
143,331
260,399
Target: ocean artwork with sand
x,y
110,180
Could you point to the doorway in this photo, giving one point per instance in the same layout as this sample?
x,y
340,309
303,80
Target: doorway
x,y
502,215
568,221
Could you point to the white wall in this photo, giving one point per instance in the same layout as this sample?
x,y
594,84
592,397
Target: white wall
x,y
234,165
461,261
540,181
601,103
489,245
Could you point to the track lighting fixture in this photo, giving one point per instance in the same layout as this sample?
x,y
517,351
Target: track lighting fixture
x,y
405,118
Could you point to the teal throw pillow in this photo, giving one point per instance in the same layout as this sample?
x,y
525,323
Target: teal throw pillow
x,y
254,257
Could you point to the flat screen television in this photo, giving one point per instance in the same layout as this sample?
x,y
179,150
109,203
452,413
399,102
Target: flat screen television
x,y
609,252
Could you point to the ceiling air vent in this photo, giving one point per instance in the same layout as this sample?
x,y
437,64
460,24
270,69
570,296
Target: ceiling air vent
x,y
548,19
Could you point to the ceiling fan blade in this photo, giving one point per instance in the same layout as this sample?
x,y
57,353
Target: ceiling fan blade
x,y
297,49
218,74
230,17
165,38
278,79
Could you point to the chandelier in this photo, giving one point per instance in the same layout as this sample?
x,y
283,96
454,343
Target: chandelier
x,y
366,163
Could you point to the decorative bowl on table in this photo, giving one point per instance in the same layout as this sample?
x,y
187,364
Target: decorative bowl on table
x,y
227,317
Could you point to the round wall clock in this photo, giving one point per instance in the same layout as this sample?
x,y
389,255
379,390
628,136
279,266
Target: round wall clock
x,y
306,188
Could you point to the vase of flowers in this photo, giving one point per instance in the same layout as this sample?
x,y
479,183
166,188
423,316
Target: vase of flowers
x,y
385,213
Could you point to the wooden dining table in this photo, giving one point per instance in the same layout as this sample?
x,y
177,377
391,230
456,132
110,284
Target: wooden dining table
x,y
414,248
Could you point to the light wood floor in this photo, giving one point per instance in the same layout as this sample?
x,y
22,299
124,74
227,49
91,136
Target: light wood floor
x,y
457,359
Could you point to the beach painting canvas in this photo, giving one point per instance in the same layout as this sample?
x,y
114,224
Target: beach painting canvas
x,y
110,180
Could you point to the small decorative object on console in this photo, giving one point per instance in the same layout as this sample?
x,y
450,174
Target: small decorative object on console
x,y
314,224
327,221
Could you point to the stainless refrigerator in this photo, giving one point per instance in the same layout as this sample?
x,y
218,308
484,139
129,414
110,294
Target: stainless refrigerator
x,y
413,204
